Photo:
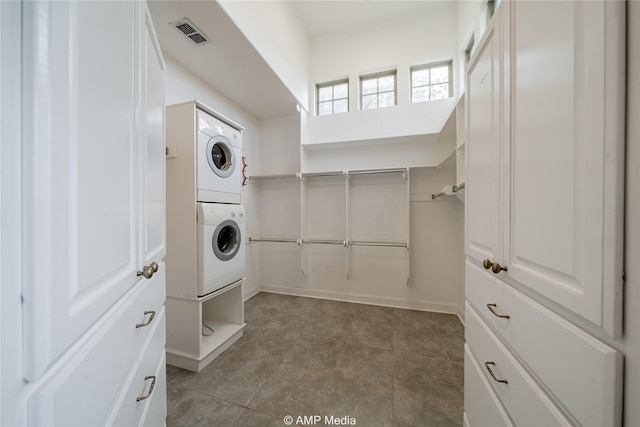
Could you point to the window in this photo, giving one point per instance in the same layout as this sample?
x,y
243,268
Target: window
x,y
333,98
429,82
378,90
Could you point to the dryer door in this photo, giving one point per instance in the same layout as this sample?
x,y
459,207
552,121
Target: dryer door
x,y
220,156
226,240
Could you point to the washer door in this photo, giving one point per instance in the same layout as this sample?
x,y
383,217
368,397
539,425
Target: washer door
x,y
226,240
220,156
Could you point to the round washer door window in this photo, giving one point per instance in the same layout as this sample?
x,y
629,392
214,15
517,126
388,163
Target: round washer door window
x,y
226,240
220,156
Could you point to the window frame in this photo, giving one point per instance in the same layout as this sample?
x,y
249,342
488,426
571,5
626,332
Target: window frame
x,y
364,77
430,66
332,84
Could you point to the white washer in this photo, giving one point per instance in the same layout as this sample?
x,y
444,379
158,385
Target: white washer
x,y
220,246
219,161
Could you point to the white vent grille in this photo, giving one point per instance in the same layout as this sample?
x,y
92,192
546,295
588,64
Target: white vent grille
x,y
186,27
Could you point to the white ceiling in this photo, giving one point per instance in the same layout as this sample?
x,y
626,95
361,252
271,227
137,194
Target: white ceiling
x,y
228,63
325,16
231,65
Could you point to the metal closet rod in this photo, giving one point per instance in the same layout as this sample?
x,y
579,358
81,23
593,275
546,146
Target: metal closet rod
x,y
373,243
331,242
454,188
272,240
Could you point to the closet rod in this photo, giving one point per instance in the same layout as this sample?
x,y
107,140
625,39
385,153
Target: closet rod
x,y
273,240
373,243
373,171
454,189
324,242
313,174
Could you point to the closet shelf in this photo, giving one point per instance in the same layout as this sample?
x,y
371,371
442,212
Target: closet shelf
x,y
280,176
303,175
345,243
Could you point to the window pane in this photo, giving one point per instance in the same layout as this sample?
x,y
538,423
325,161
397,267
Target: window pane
x,y
369,101
386,83
440,74
386,99
440,91
340,91
324,108
340,106
420,94
325,93
419,78
369,86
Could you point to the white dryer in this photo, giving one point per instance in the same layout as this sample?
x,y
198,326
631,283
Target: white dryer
x,y
221,253
219,161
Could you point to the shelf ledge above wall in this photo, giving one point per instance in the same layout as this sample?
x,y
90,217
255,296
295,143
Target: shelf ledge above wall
x,y
447,162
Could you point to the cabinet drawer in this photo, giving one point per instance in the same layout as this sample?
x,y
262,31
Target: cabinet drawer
x,y
83,391
485,409
149,371
525,402
581,372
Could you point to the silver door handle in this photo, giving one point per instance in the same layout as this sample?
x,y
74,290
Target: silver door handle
x,y
148,270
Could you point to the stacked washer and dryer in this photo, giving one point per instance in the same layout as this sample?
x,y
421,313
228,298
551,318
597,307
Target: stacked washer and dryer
x,y
220,216
205,234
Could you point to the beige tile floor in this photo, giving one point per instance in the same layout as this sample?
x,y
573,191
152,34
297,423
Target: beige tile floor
x,y
378,366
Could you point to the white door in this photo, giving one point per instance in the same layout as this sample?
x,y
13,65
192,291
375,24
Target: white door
x,y
482,193
567,146
80,171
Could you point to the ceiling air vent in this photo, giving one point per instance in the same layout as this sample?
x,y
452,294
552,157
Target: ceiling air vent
x,y
187,28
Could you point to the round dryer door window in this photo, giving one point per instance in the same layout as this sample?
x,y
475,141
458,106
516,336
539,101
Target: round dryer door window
x,y
226,240
220,156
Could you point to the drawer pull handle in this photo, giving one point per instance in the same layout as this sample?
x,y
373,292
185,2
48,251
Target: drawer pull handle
x,y
153,384
487,264
486,364
491,309
142,325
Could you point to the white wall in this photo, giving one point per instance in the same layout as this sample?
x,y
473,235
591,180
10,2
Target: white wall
x,y
274,29
180,86
397,43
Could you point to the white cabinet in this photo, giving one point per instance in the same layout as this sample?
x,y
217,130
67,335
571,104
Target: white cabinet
x,y
93,206
81,172
544,203
482,195
564,176
545,151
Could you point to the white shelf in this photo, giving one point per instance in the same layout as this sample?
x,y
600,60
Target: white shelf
x,y
223,311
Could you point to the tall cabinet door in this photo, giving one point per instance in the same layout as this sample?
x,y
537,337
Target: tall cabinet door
x,y
482,193
153,182
79,156
566,176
